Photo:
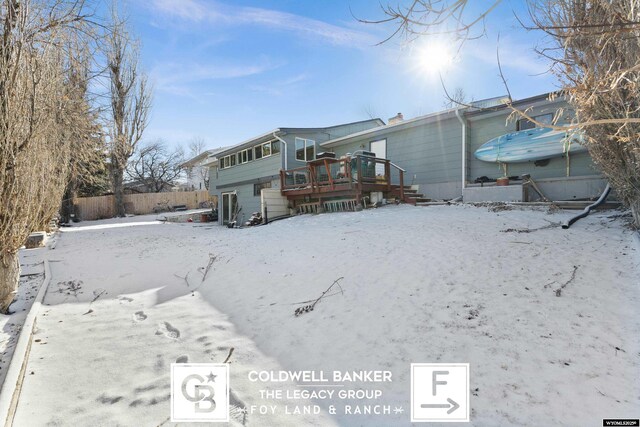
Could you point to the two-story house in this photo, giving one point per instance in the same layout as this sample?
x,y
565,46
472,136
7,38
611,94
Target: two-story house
x,y
243,170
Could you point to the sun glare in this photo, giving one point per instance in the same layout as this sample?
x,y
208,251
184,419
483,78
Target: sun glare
x,y
434,57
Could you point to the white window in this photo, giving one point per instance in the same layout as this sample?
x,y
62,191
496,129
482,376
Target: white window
x,y
228,161
305,149
266,149
243,156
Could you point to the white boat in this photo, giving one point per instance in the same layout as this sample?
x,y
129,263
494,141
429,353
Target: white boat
x,y
530,145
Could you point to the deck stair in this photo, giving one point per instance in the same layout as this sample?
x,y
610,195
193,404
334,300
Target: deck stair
x,y
411,195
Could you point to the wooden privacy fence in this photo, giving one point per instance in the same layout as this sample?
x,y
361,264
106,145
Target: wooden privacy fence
x,y
90,208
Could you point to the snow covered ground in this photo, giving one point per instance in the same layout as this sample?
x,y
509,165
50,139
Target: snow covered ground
x,y
547,318
32,275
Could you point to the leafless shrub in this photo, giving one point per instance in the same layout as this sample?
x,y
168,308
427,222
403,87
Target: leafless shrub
x,y
41,103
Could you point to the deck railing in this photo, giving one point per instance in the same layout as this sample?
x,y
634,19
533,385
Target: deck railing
x,y
354,172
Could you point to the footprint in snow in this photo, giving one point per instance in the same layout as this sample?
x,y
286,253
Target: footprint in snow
x,y
183,359
139,316
121,298
237,408
168,330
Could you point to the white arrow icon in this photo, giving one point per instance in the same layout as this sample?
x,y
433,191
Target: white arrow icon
x,y
452,405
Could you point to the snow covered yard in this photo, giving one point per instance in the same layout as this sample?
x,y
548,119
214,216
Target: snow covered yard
x,y
32,274
547,319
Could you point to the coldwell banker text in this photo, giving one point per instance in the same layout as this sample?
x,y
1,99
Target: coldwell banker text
x,y
320,376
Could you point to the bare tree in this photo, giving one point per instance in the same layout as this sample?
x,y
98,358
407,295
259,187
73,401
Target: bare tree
x,y
155,166
130,96
39,107
196,146
197,172
434,17
457,98
86,165
369,111
594,50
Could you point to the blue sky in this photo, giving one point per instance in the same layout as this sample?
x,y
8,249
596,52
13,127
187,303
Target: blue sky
x,y
226,71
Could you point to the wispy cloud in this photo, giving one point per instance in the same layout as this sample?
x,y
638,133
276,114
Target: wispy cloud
x,y
280,87
516,56
187,9
177,78
210,11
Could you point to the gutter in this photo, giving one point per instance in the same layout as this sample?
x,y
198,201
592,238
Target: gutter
x,y
464,148
285,148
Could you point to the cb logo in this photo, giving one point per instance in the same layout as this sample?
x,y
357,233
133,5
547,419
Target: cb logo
x,y
199,392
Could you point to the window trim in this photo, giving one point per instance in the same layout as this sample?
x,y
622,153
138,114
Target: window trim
x,y
305,147
262,185
533,125
249,155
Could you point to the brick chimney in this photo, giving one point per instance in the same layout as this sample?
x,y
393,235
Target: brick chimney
x,y
396,119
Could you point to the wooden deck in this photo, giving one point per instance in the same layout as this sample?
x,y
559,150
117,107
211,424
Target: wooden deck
x,y
334,181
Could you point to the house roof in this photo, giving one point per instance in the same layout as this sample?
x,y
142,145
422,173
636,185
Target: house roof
x,y
202,156
520,103
267,136
416,121
495,105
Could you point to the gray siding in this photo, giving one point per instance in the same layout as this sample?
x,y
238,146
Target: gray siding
x,y
321,136
254,170
318,137
430,154
348,129
246,199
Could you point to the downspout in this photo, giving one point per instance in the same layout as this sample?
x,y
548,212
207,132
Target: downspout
x,y
586,210
285,148
464,149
